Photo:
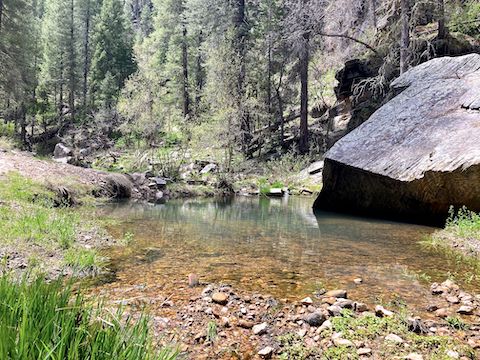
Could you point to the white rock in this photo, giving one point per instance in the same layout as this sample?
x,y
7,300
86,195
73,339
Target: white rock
x,y
260,329
394,338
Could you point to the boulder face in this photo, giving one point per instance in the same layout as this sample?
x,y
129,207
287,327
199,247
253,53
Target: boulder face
x,y
417,155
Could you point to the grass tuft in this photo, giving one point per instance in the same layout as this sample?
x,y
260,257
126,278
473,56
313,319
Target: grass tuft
x,y
40,320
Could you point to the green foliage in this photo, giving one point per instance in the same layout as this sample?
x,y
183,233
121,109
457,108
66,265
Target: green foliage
x,y
34,219
112,61
465,223
211,331
84,260
293,348
466,18
128,238
40,320
456,323
7,130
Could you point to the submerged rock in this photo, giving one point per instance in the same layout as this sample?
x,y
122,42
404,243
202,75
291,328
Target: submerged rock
x,y
418,154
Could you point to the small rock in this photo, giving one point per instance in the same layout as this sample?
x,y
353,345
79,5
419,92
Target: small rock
x,y
432,307
465,310
344,304
474,343
193,280
326,325
307,301
358,281
394,338
342,342
329,300
380,311
453,354
245,324
336,294
302,332
441,313
334,310
364,351
315,319
452,299
220,298
266,352
260,329
361,307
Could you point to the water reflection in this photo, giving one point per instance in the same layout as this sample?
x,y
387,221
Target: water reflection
x,y
275,246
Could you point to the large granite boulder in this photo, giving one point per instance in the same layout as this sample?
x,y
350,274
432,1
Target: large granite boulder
x,y
418,154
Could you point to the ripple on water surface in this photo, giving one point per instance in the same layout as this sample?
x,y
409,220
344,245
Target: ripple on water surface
x,y
274,246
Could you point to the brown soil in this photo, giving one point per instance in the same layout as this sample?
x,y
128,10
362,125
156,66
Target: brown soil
x,y
47,170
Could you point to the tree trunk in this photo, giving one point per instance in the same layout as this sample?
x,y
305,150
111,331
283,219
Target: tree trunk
x,y
199,72
442,30
303,146
405,37
86,49
240,43
23,124
72,65
60,99
186,96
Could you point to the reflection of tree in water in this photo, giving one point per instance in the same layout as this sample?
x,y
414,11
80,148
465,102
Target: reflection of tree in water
x,y
277,243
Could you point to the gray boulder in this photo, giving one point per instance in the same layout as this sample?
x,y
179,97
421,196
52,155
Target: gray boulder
x,y
62,151
418,154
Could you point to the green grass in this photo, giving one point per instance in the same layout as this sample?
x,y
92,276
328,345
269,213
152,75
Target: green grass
x,y
28,215
84,260
371,327
40,320
459,242
31,218
212,331
464,223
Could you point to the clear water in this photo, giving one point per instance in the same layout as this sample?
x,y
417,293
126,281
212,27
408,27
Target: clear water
x,y
273,246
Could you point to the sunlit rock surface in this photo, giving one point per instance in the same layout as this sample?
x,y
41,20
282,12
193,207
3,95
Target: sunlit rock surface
x,y
418,154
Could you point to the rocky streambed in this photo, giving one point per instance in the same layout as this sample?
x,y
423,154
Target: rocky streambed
x,y
211,321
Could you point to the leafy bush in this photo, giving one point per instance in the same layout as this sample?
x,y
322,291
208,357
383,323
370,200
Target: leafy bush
x,y
7,130
41,320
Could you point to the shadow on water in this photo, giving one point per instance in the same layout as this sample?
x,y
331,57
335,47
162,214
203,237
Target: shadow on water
x,y
275,246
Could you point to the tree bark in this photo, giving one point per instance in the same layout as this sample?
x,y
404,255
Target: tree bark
x,y
186,96
199,72
405,37
86,49
303,146
240,47
72,65
442,30
374,13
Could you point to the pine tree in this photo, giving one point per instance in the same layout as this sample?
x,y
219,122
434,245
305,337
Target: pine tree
x,y
113,50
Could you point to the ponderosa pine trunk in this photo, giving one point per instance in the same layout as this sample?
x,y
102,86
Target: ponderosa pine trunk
x,y
200,79
303,146
240,47
72,62
186,96
442,30
86,49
